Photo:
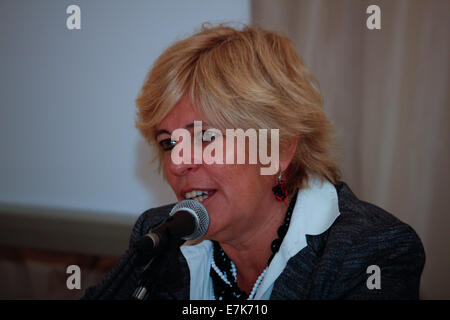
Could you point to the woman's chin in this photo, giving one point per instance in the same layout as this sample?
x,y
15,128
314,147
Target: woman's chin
x,y
214,227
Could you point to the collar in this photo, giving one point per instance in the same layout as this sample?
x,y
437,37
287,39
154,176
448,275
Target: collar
x,y
315,211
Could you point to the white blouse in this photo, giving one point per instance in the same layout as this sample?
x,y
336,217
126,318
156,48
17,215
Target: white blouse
x,y
315,211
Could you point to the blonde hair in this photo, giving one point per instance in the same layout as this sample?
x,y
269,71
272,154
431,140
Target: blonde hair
x,y
244,78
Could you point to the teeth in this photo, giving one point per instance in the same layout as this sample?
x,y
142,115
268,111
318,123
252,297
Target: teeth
x,y
200,198
198,195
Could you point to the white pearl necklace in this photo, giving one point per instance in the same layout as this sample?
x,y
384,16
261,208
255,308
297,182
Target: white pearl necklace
x,y
234,273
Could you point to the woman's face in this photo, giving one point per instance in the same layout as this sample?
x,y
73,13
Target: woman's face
x,y
238,196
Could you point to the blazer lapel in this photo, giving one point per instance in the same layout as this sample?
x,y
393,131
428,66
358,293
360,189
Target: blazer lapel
x,y
296,280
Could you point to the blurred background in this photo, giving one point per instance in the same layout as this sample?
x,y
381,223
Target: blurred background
x,y
75,174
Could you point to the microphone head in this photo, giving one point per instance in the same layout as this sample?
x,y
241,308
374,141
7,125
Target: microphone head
x,y
198,211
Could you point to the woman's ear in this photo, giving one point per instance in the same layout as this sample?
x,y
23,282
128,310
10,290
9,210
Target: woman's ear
x,y
287,153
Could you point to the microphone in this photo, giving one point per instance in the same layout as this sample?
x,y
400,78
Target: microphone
x,y
188,220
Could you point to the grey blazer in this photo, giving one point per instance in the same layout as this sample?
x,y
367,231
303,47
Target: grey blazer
x,y
333,265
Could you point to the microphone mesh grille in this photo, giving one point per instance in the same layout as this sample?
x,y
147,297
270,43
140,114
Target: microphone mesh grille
x,y
200,214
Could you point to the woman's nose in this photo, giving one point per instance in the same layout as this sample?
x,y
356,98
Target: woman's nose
x,y
189,163
182,168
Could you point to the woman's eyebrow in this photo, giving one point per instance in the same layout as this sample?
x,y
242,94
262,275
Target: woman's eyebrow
x,y
188,126
161,132
204,124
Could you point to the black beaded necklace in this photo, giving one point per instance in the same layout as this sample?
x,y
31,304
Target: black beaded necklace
x,y
230,290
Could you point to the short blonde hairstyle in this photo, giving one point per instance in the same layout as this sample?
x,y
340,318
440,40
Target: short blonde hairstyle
x,y
244,78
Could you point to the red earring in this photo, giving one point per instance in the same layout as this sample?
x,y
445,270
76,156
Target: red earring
x,y
280,189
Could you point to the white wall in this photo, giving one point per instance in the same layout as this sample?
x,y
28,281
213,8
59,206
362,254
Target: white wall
x,y
67,135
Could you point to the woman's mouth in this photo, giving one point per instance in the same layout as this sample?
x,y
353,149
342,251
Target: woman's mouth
x,y
199,195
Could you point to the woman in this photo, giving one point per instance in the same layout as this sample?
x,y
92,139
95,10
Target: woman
x,y
297,233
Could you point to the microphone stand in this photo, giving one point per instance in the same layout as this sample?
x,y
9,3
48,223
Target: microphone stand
x,y
147,249
145,285
154,270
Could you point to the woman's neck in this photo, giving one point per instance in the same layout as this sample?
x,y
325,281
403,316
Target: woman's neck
x,y
251,250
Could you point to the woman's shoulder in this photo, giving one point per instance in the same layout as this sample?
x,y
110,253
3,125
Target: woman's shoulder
x,y
362,237
360,221
361,213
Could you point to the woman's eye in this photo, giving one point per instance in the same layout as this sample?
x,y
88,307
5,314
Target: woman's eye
x,y
167,144
208,135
